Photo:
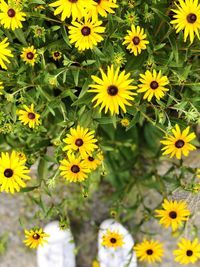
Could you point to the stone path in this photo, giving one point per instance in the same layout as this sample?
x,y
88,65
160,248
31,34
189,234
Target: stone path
x,y
12,207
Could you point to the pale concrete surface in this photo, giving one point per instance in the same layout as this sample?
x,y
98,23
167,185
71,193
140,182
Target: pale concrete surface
x,y
13,207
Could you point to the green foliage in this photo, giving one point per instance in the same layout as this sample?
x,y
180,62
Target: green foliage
x,y
58,89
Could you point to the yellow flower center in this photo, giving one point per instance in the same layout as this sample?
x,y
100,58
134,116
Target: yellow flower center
x,y
113,240
30,55
79,142
136,40
189,253
8,173
191,18
75,169
36,236
173,214
112,90
154,85
31,115
85,31
149,252
179,144
11,13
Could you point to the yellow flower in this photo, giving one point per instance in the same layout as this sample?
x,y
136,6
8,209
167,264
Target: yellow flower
x,y
56,55
187,18
21,156
150,251
4,53
92,162
173,214
1,88
74,169
81,140
136,40
103,7
188,252
85,34
12,172
74,8
11,16
28,116
125,122
34,238
198,173
178,143
95,263
29,55
153,84
112,239
113,90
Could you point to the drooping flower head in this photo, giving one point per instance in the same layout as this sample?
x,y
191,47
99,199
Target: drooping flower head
x,y
188,252
149,251
4,53
178,144
86,33
102,8
94,161
187,18
12,172
153,84
29,116
35,237
11,16
112,91
173,214
112,239
136,40
74,169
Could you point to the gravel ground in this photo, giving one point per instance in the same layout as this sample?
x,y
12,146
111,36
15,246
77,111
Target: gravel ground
x,y
12,207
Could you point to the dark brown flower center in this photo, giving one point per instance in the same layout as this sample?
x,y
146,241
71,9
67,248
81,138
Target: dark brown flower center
x,y
173,214
112,90
98,1
154,85
31,115
179,144
56,54
90,158
79,142
8,173
75,169
191,18
36,236
86,31
149,251
73,1
136,40
30,55
11,12
189,253
113,240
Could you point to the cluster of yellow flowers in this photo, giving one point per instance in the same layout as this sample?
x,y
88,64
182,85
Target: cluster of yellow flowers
x,y
86,31
83,154
173,214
